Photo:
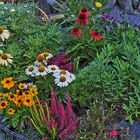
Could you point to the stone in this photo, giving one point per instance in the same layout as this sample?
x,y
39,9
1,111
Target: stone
x,y
125,10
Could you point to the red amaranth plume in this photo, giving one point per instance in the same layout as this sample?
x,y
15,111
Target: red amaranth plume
x,y
54,107
62,61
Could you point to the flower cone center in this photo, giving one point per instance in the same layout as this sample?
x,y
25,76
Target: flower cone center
x,y
41,69
46,54
40,58
1,30
62,79
4,56
30,68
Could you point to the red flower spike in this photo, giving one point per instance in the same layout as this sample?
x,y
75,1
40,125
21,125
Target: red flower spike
x,y
113,133
96,36
85,10
82,19
76,32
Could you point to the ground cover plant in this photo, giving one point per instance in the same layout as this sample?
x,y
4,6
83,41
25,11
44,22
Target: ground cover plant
x,y
75,78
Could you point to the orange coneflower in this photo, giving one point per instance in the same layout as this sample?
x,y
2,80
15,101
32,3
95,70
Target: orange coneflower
x,y
21,85
11,96
8,82
1,95
33,90
28,101
3,104
18,101
11,111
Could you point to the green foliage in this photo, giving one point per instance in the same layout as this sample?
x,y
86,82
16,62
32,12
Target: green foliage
x,y
115,74
28,36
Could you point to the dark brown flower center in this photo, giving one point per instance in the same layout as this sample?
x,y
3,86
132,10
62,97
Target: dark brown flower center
x,y
31,68
4,56
1,30
3,104
62,79
7,81
62,72
82,16
28,100
53,68
11,96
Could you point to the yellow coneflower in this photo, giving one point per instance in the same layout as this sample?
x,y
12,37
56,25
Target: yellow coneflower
x,y
5,59
1,95
11,96
98,4
28,101
11,111
8,82
3,104
18,101
4,34
20,93
21,85
33,91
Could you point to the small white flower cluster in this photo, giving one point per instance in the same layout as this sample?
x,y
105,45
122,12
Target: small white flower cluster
x,y
40,68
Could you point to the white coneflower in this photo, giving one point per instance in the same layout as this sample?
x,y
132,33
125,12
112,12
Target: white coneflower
x,y
1,2
70,76
30,70
62,81
47,55
12,10
52,68
6,59
60,72
4,34
41,71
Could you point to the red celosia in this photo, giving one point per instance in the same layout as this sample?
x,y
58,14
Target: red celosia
x,y
85,10
62,61
96,36
44,138
76,32
113,133
82,18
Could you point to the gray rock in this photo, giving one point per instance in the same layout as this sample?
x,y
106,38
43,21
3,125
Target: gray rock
x,y
126,12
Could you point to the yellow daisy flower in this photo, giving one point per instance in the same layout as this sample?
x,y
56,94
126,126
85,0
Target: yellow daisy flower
x,y
98,4
28,101
3,104
21,85
11,111
8,82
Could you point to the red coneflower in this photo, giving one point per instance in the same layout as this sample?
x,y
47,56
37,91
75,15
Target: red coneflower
x,y
76,32
96,35
113,133
82,19
85,10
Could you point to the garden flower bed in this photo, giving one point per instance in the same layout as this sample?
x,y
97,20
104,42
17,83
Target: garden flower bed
x,y
70,78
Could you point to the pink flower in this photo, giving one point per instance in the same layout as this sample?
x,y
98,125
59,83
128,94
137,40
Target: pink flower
x,y
76,32
85,11
82,18
113,133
